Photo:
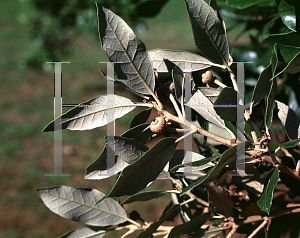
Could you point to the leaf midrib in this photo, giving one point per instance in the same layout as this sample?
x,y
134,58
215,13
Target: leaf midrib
x,y
209,35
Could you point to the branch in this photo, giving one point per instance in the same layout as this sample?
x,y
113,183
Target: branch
x,y
266,220
182,121
233,230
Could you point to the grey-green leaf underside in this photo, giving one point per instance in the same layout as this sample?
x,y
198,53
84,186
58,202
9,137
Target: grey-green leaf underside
x,y
79,205
179,58
94,113
134,67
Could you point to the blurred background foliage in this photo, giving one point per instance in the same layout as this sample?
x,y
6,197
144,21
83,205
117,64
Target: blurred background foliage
x,y
36,31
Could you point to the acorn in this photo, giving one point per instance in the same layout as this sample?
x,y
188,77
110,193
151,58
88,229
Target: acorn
x,y
158,124
207,77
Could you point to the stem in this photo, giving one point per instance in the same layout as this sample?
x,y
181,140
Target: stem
x,y
172,99
259,228
253,132
186,135
233,230
178,130
143,105
218,82
271,153
200,130
233,79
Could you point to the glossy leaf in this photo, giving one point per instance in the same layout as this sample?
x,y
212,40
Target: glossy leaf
x,y
188,227
192,165
201,104
141,133
145,196
209,34
180,59
134,67
226,158
145,169
126,151
220,198
140,118
85,232
270,102
287,14
187,162
289,120
265,200
263,86
226,97
243,4
178,80
93,113
287,39
293,66
79,205
290,144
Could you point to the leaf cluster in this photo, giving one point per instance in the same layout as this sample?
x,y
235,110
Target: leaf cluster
x,y
227,178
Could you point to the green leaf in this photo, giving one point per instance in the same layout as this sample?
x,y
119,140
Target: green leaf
x,y
145,196
85,232
286,39
209,34
134,67
290,144
243,4
263,86
188,227
149,8
180,59
93,113
182,161
265,200
289,120
78,205
270,102
200,164
293,66
141,133
126,149
140,118
178,80
226,97
287,14
145,169
226,158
